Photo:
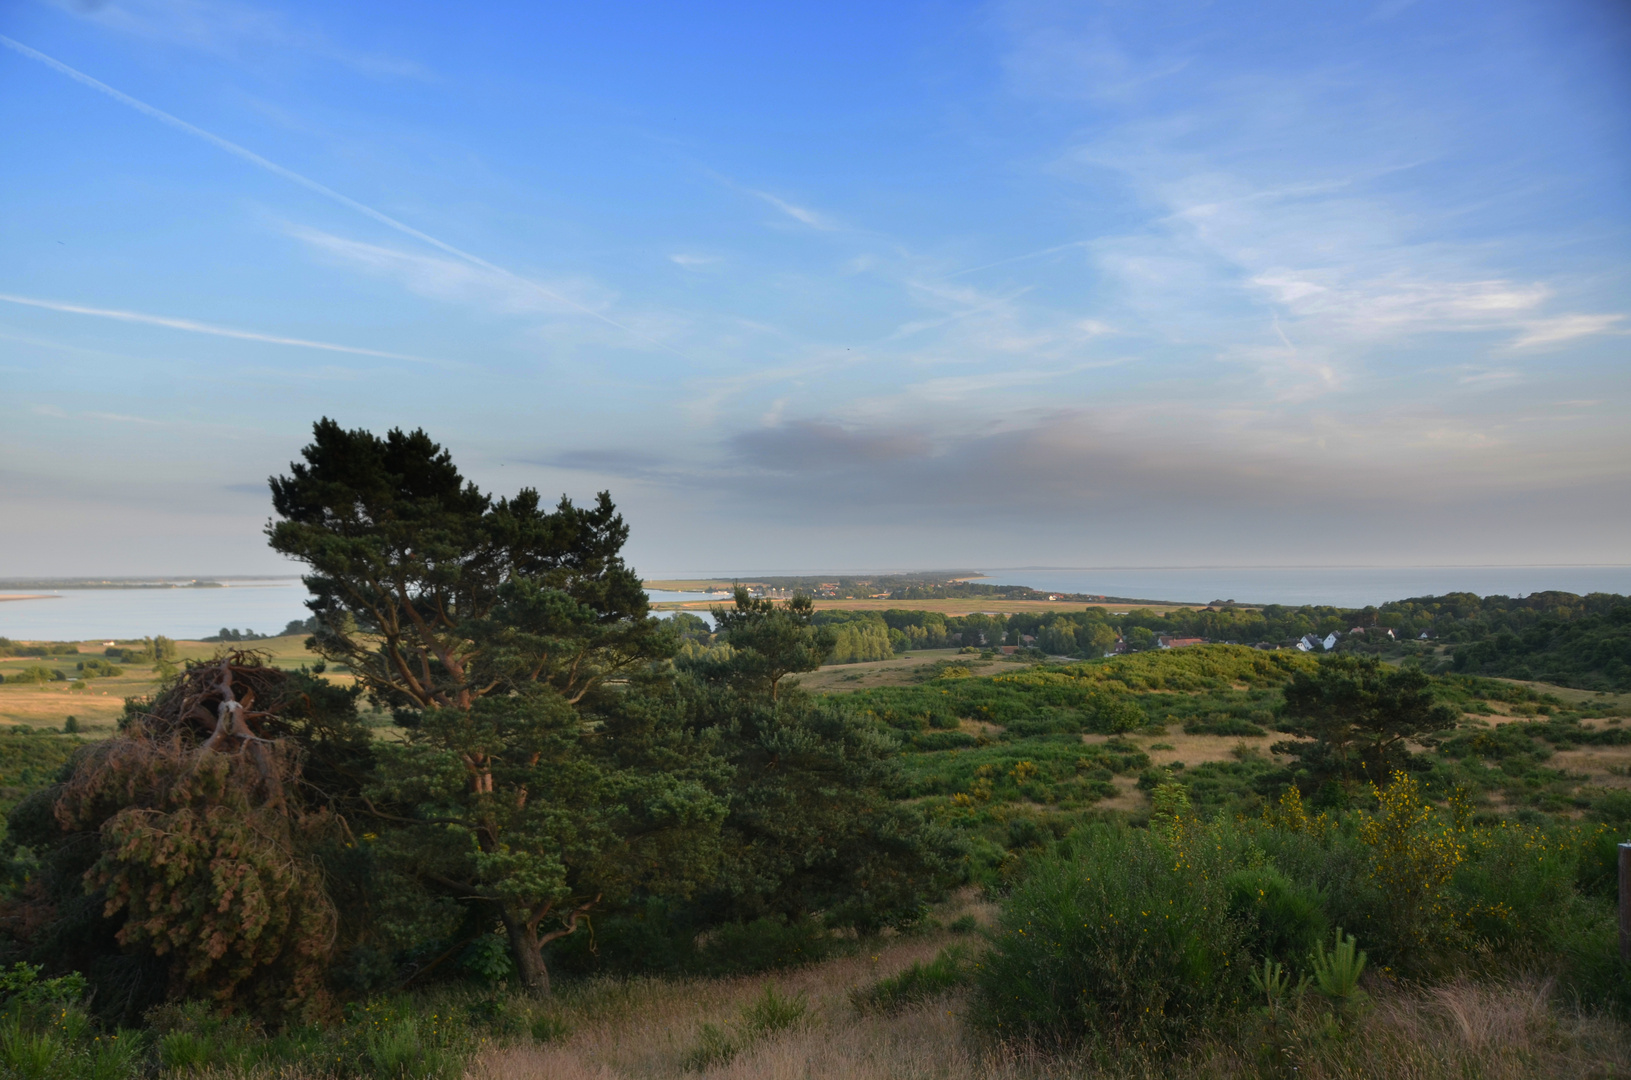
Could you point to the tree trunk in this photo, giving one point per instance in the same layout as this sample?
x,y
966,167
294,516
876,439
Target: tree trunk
x,y
527,951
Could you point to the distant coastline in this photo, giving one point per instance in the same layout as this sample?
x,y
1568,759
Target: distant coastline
x,y
216,582
29,596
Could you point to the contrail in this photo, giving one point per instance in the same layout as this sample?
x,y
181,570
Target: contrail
x,y
312,185
206,328
1019,258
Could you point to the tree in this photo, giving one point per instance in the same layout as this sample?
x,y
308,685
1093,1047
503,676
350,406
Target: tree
x,y
1360,716
495,628
773,641
181,857
1140,639
1058,637
1096,638
813,823
409,560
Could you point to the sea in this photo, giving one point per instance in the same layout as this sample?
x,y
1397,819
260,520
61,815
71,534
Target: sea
x,y
265,606
268,605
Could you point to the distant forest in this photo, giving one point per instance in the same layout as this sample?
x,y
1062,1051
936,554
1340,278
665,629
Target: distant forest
x,y
929,585
1556,637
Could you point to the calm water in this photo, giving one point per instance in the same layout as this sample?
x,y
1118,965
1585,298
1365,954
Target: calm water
x,y
262,606
1343,586
268,606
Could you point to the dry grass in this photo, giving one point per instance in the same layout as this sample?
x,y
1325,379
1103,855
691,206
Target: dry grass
x,y
644,1029
99,705
907,670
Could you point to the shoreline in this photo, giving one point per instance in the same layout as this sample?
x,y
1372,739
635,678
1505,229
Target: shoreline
x,y
29,596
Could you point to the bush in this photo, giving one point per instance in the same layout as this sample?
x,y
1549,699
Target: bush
x,y
768,1014
948,970
762,945
99,669
1223,725
1280,919
660,940
1130,941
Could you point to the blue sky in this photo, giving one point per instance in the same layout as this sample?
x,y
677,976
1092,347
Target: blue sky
x,y
831,286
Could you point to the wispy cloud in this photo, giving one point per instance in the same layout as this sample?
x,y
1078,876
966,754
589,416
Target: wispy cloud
x,y
119,418
1489,376
1562,328
693,262
1027,257
234,30
312,185
801,214
192,326
456,281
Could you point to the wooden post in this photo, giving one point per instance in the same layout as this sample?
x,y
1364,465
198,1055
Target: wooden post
x,y
1625,903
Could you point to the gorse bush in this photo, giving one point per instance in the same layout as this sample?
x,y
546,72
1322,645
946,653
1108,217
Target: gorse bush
x,y
1145,937
1130,938
1415,850
1282,919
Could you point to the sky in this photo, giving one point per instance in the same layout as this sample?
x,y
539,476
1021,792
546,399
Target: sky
x,y
833,286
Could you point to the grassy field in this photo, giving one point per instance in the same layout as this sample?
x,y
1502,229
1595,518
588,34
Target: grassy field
x,y
655,1029
100,702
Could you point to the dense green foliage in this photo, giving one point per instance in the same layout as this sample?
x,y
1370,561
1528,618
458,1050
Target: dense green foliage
x,y
1359,716
1586,643
1148,937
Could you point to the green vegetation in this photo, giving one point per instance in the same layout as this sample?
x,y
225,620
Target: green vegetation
x,y
952,967
1152,937
506,807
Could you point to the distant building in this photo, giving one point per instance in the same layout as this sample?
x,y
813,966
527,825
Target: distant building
x,y
1178,642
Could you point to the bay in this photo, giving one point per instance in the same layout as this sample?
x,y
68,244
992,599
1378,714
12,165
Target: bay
x,y
262,605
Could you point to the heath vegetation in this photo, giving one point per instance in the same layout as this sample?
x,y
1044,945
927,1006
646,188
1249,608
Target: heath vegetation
x,y
502,821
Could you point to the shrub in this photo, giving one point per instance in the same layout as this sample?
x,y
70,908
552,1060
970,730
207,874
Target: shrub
x,y
1280,918
1414,853
764,944
764,1016
97,669
1129,941
1222,725
660,939
948,970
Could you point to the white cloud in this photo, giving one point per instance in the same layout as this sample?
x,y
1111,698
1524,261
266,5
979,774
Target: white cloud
x,y
1540,333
